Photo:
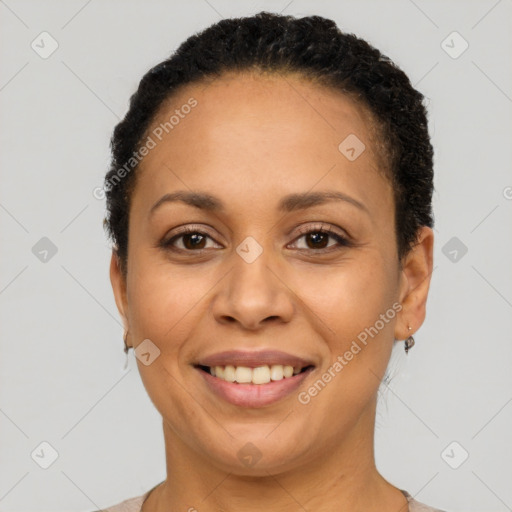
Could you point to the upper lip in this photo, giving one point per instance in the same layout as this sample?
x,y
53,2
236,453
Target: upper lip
x,y
253,359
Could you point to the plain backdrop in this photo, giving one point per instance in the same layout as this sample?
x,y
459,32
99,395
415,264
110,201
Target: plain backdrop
x,y
444,421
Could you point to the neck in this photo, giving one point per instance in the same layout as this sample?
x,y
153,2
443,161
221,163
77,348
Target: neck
x,y
339,478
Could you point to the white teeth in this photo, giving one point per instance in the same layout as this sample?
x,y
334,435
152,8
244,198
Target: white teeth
x,y
259,375
288,371
276,372
229,373
243,374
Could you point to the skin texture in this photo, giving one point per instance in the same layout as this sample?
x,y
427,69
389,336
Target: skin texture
x,y
251,140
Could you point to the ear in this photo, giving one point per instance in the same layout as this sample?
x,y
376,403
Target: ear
x,y
414,284
119,287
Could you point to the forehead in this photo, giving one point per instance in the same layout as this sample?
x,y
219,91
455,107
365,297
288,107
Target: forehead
x,y
249,136
263,108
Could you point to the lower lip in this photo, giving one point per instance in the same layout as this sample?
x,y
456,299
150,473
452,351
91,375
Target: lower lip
x,y
254,395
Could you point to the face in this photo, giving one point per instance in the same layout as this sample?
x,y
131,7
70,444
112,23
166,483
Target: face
x,y
290,259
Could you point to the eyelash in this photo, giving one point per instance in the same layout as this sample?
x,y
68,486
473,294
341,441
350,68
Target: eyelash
x,y
341,240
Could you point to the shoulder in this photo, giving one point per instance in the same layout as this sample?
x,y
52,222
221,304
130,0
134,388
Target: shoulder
x,y
135,504
416,506
129,505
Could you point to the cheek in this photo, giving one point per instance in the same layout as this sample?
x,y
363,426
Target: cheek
x,y
350,297
358,344
356,306
164,305
161,301
345,298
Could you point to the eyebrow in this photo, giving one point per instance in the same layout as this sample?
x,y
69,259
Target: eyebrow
x,y
289,203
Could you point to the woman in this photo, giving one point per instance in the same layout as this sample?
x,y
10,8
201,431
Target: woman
x,y
269,201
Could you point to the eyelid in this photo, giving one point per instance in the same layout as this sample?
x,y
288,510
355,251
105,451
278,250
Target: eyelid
x,y
322,227
341,236
191,228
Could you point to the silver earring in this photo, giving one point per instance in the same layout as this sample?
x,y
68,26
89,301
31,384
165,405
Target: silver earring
x,y
409,343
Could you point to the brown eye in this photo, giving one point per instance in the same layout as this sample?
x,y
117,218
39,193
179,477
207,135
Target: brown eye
x,y
190,239
317,239
193,241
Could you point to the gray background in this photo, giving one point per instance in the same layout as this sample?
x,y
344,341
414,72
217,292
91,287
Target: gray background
x,y
62,379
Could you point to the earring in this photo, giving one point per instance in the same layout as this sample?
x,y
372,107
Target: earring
x,y
126,348
409,343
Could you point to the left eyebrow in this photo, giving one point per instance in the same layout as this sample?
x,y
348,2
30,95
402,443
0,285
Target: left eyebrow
x,y
289,203
295,202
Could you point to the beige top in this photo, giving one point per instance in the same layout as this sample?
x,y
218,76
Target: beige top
x,y
135,504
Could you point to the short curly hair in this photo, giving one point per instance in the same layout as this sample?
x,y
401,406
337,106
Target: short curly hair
x,y
315,48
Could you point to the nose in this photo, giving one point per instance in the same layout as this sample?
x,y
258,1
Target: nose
x,y
253,295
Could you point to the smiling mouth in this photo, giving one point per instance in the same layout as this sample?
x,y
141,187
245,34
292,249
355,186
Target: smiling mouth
x,y
258,375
